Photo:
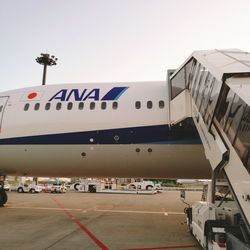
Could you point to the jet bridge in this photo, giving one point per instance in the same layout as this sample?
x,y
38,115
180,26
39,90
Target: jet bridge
x,y
213,87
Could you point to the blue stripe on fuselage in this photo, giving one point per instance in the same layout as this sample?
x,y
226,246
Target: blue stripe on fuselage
x,y
159,134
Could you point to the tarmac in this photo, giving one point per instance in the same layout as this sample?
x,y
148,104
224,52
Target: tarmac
x,y
96,221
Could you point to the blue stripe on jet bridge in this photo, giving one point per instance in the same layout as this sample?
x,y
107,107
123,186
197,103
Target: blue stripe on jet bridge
x,y
114,93
158,134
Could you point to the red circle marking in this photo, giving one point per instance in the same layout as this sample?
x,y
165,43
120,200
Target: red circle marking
x,y
32,95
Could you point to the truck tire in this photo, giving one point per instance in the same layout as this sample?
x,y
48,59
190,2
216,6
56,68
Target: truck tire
x,y
3,197
76,186
32,190
20,190
149,187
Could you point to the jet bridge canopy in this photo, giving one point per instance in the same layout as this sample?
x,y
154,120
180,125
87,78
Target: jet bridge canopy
x,y
219,63
213,87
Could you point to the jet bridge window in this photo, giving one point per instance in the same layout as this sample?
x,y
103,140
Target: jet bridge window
x,y
26,106
181,80
200,87
242,141
205,94
224,105
197,77
212,101
234,117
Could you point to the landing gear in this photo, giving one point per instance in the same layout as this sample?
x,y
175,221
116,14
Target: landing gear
x,y
3,194
3,197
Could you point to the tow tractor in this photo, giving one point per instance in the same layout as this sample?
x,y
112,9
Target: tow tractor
x,y
29,188
210,222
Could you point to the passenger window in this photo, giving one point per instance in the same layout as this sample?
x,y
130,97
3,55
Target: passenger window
x,y
26,106
115,105
1,108
37,106
70,106
149,105
47,106
58,106
92,105
103,105
81,105
161,104
137,105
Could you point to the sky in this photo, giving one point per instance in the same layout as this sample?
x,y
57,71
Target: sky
x,y
113,40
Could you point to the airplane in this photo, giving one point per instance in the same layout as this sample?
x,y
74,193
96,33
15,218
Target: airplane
x,y
96,130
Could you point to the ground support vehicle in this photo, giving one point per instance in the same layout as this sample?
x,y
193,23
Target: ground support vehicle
x,y
143,185
29,188
58,188
90,186
215,224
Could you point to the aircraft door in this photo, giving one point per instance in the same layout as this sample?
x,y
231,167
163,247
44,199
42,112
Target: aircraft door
x,y
3,101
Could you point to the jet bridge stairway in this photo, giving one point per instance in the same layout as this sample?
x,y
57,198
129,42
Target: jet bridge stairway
x,y
213,87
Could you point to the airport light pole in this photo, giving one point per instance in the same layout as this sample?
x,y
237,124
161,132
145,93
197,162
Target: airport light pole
x,y
46,60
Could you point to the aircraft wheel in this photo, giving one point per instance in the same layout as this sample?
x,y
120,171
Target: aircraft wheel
x,y
3,197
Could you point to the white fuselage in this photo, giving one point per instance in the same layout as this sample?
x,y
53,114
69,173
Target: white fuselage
x,y
109,130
